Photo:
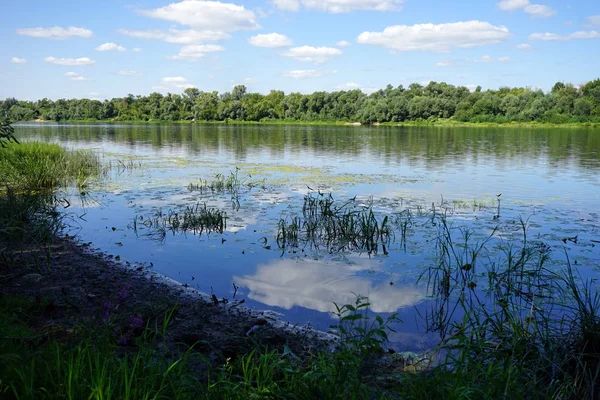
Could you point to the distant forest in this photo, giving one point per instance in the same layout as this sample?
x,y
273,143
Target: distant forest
x,y
565,103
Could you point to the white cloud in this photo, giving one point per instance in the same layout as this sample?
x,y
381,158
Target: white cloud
x,y
540,11
443,64
194,52
206,15
317,55
188,36
17,60
504,59
536,10
303,73
344,6
594,20
70,61
348,86
340,6
178,82
137,49
437,38
343,43
524,47
110,47
55,32
129,73
271,40
288,5
355,86
485,59
554,36
76,77
512,5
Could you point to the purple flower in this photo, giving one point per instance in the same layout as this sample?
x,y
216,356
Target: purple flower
x,y
105,310
123,293
136,321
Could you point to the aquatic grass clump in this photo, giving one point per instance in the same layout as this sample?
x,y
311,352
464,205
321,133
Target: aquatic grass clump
x,y
508,323
195,219
45,166
337,226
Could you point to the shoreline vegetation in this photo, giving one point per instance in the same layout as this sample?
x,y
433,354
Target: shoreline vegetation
x,y
434,104
435,123
78,325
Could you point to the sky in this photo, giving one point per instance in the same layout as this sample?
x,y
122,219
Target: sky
x,y
110,48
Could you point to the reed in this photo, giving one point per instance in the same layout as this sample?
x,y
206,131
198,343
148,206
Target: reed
x,y
195,219
43,166
337,226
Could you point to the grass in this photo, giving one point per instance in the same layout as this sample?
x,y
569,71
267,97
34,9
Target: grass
x,y
196,219
33,166
86,365
335,226
532,332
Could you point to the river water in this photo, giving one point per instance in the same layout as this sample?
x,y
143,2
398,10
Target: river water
x,y
484,180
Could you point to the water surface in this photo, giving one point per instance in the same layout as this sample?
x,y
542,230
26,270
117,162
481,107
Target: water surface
x,y
548,177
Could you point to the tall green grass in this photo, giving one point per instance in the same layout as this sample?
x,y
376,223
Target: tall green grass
x,y
44,166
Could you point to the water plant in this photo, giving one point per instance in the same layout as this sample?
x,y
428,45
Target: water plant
x,y
510,323
44,166
196,219
337,226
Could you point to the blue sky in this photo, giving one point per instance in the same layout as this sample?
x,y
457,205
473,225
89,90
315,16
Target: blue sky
x,y
67,49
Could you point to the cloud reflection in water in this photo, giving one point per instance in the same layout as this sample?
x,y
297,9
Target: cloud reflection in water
x,y
317,284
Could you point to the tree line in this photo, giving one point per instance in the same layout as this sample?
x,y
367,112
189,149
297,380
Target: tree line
x,y
565,103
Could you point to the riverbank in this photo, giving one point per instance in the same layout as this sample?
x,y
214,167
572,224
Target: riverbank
x,y
64,296
429,123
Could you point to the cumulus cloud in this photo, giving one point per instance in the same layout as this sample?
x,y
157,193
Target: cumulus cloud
x,y
188,36
340,6
129,73
343,43
540,11
524,46
110,47
55,32
535,10
194,52
70,61
178,82
554,36
436,38
271,40
74,76
504,59
17,60
443,64
303,73
137,49
206,15
317,55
